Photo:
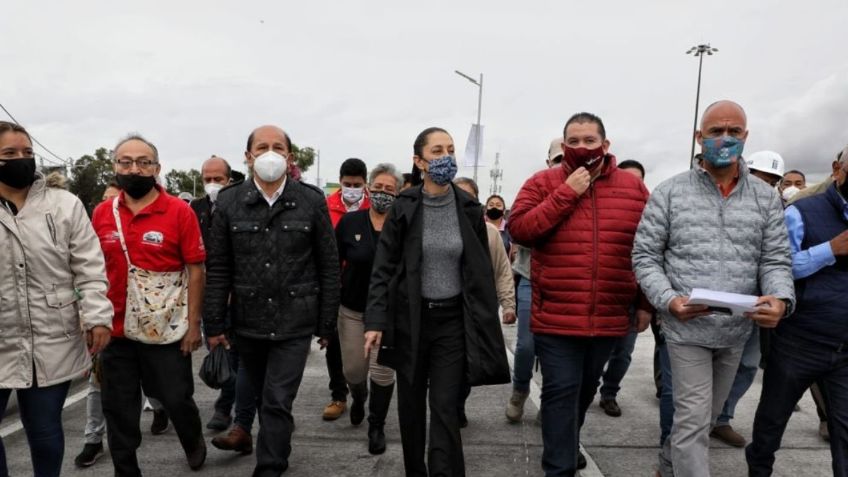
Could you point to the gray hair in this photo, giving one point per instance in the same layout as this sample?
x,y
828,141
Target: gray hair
x,y
135,137
386,168
465,180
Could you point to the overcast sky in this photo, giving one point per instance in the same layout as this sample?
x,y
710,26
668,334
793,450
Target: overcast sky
x,y
362,79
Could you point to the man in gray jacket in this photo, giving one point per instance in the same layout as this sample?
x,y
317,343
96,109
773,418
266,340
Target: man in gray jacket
x,y
718,228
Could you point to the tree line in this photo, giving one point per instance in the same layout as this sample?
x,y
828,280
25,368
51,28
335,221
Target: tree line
x,y
92,173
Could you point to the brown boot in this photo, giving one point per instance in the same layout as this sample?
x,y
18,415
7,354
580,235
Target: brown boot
x,y
334,410
237,440
726,434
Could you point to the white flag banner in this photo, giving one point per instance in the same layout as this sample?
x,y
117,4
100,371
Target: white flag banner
x,y
471,147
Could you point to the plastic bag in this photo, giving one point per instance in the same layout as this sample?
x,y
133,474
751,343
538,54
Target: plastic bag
x,y
215,370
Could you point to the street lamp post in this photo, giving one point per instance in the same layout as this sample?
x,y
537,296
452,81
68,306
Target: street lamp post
x,y
479,84
698,51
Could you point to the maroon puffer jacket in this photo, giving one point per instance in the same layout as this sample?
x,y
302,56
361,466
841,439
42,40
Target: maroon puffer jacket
x,y
581,274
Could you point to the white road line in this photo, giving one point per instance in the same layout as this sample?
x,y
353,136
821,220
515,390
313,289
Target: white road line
x,y
17,425
592,469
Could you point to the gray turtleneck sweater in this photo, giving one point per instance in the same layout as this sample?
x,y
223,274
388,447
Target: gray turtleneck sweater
x,y
441,273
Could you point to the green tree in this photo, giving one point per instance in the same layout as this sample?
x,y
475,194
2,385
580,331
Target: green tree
x,y
177,181
90,176
304,157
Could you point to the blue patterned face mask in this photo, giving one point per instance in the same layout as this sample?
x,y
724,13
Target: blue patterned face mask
x,y
722,151
442,170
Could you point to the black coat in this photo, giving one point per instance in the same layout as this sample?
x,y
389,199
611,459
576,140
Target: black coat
x,y
203,209
280,263
394,300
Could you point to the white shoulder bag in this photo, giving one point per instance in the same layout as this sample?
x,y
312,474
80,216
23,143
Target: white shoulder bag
x,y
157,302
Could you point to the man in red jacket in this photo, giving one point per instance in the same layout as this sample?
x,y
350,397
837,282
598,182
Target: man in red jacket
x,y
579,221
353,175
351,196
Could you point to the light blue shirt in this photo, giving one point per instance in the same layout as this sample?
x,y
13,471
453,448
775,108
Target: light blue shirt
x,y
809,261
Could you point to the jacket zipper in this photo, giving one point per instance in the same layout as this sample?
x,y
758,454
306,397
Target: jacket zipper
x,y
594,261
31,364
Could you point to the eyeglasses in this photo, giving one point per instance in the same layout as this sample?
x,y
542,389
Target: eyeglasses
x,y
142,164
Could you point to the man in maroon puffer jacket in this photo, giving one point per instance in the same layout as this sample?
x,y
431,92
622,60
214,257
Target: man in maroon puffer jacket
x,y
579,220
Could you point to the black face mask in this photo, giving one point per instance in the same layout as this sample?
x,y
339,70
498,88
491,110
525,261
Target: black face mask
x,y
135,186
17,173
494,213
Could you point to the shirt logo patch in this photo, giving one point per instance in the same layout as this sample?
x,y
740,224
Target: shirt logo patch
x,y
357,237
153,237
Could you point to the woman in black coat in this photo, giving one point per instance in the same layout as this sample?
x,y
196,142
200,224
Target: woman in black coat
x,y
432,308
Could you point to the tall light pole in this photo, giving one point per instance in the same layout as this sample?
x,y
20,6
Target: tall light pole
x,y
479,84
698,51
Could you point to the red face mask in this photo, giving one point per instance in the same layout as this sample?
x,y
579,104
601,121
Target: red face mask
x,y
576,157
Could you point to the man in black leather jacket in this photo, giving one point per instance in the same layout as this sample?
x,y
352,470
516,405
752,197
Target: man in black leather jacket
x,y
273,248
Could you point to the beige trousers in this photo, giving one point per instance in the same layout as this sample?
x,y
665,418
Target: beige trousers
x,y
352,339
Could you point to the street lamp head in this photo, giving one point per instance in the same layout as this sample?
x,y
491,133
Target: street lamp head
x,y
460,73
701,49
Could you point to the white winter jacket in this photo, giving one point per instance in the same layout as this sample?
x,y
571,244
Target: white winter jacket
x,y
52,288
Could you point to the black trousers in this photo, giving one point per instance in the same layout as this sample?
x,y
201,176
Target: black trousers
x,y
275,369
441,367
793,365
162,372
335,369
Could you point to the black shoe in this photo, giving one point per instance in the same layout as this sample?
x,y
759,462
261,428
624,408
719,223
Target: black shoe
x,y
219,422
610,407
581,461
160,424
197,456
376,439
89,455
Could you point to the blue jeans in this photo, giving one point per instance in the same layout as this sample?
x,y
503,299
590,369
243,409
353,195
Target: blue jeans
x,y
238,392
525,354
571,367
744,376
619,362
793,365
666,395
41,415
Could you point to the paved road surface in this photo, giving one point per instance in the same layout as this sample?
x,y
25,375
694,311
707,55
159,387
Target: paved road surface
x,y
625,446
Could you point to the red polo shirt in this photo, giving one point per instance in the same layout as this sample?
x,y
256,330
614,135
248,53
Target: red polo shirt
x,y
162,237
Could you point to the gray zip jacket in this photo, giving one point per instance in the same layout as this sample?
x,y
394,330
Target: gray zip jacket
x,y
691,237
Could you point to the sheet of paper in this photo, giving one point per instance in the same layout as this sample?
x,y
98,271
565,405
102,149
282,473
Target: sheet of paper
x,y
736,303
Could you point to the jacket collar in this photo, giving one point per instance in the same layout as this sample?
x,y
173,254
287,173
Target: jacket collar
x,y
158,206
742,172
288,198
410,200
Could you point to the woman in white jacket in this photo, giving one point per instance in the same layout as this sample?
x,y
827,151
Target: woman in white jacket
x,y
53,306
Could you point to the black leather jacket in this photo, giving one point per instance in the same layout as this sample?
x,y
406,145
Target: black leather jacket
x,y
280,263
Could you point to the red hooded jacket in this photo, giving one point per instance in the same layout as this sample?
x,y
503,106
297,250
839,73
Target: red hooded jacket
x,y
581,274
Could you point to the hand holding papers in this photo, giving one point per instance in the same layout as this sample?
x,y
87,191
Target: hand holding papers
x,y
732,303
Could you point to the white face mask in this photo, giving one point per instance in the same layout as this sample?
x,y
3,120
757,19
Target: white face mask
x,y
269,166
352,195
212,189
790,192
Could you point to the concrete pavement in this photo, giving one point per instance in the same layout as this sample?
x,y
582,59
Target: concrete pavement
x,y
624,446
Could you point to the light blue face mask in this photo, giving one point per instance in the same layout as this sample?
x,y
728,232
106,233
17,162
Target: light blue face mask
x,y
722,151
442,170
